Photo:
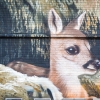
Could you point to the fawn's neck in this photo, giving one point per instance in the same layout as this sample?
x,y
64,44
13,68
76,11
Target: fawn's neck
x,y
69,86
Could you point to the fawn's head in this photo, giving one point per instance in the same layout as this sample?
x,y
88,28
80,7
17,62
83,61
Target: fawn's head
x,y
68,53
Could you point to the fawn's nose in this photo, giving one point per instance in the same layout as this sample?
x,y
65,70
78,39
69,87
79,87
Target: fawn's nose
x,y
96,63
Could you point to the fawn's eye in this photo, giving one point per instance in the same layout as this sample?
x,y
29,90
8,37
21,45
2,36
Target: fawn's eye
x,y
73,50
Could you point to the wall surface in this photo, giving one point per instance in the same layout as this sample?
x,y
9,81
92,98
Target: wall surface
x,y
31,34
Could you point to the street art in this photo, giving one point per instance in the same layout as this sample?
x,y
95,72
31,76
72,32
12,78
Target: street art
x,y
53,52
69,57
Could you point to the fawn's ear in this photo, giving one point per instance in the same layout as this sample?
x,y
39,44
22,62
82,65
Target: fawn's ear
x,y
76,23
54,22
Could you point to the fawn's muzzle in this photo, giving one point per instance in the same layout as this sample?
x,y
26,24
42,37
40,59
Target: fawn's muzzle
x,y
94,62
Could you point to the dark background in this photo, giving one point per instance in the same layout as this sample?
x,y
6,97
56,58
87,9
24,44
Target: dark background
x,y
24,33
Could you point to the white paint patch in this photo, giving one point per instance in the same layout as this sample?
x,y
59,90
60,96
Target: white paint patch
x,y
14,78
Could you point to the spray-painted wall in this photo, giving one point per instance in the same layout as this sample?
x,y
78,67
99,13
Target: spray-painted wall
x,y
25,34
29,19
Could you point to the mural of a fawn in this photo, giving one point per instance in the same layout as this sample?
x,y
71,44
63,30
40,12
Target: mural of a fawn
x,y
69,57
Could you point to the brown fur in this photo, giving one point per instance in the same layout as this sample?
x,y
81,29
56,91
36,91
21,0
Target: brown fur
x,y
29,69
